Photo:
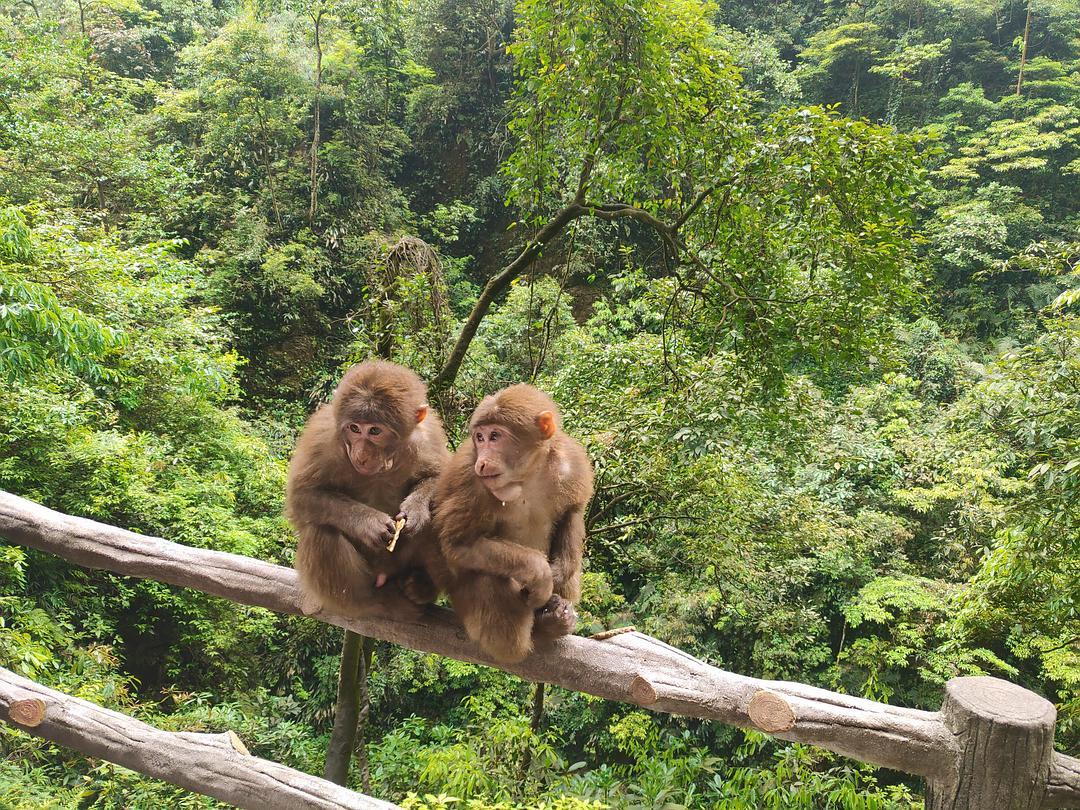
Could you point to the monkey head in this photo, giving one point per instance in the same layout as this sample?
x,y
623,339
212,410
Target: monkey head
x,y
510,431
377,405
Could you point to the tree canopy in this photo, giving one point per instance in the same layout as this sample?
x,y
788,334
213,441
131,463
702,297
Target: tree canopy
x,y
803,279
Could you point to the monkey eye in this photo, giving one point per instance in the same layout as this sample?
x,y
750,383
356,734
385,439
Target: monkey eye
x,y
354,428
374,430
494,435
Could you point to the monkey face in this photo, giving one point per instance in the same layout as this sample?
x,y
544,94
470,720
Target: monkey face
x,y
370,446
500,460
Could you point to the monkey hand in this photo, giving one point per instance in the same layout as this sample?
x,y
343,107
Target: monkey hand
x,y
536,581
374,532
416,509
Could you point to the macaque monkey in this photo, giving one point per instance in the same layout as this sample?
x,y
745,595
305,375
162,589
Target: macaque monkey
x,y
364,462
510,509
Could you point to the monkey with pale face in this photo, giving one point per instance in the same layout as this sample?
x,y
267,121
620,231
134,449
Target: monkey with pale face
x,y
510,513
364,461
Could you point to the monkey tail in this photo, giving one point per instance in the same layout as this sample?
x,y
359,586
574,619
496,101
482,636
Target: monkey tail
x,y
331,569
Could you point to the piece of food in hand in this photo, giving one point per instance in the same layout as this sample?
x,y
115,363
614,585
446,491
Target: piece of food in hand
x,y
399,524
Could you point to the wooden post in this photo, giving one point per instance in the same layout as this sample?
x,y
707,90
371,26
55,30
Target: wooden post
x,y
339,751
1005,741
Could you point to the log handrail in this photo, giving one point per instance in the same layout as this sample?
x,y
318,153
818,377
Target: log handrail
x,y
631,667
216,765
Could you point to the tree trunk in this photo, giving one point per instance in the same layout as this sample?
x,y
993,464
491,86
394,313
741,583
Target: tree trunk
x,y
1023,51
316,134
346,710
538,707
855,91
264,153
495,286
360,741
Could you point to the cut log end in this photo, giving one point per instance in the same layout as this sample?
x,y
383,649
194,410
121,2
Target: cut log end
x,y
642,692
28,713
998,700
770,712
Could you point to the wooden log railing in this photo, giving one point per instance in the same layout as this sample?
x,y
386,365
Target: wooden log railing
x,y
991,745
217,765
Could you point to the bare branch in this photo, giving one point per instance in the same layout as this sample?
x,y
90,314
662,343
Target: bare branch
x,y
496,285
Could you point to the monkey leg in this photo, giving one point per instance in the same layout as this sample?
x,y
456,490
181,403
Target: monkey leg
x,y
494,615
556,618
331,568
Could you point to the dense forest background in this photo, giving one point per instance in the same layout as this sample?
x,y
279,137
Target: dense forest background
x,y
808,294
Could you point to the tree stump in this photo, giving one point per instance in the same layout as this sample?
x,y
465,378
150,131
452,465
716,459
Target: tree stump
x,y
1005,739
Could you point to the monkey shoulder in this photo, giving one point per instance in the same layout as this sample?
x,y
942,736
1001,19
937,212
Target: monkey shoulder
x,y
456,488
428,448
318,456
461,513
573,471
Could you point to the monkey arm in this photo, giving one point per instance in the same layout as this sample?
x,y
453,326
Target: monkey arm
x,y
416,508
352,518
567,546
497,557
502,558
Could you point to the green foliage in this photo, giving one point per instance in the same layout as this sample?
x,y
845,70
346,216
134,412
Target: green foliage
x,y
816,325
37,332
526,335
617,98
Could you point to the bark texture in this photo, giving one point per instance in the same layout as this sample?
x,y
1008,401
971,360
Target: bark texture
x,y
630,667
339,750
211,764
1005,742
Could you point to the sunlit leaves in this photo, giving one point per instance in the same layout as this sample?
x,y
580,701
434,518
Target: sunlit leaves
x,y
632,100
36,329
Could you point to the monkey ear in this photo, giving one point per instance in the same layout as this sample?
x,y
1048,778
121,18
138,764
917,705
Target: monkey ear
x,y
421,414
545,421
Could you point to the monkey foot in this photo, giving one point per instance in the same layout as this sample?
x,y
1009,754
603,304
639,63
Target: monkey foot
x,y
556,618
419,589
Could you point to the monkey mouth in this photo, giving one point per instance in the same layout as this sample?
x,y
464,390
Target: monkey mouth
x,y
501,488
371,466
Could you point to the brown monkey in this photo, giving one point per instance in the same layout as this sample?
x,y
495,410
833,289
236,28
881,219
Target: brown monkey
x,y
510,509
368,458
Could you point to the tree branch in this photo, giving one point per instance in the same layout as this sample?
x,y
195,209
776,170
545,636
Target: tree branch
x,y
496,285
